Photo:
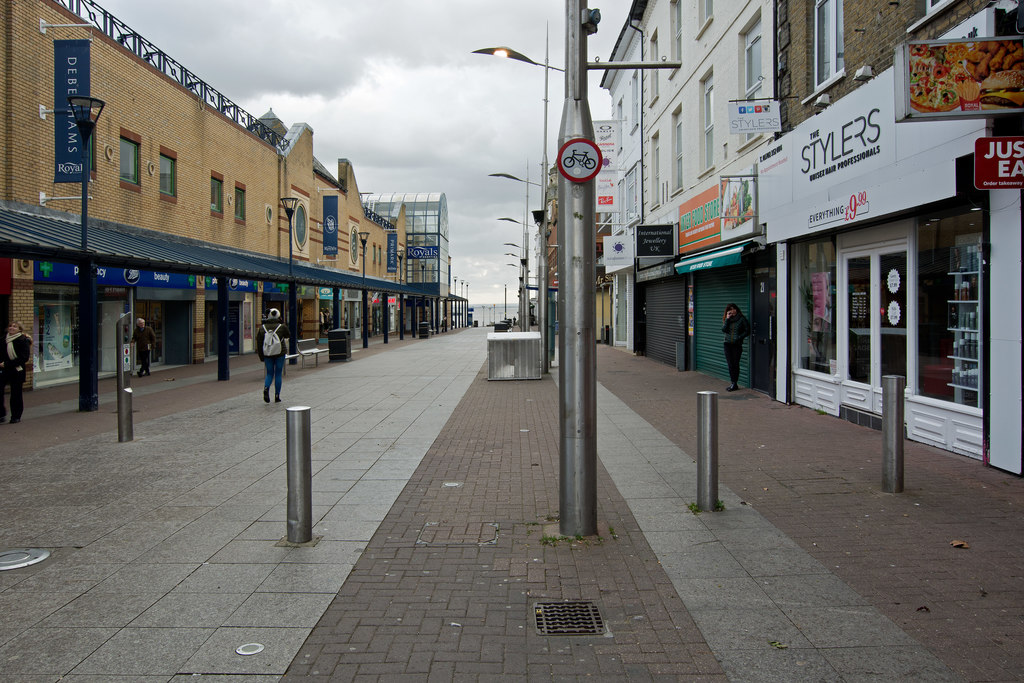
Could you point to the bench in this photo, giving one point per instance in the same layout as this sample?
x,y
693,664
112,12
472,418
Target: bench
x,y
307,349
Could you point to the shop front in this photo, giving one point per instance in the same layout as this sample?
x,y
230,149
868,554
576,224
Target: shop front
x,y
890,255
241,319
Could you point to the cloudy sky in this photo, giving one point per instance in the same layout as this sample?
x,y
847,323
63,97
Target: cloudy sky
x,y
392,86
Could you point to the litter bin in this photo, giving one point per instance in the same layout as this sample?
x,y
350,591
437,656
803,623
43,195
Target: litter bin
x,y
339,345
424,329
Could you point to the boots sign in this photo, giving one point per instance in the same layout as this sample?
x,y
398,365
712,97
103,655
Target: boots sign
x,y
999,163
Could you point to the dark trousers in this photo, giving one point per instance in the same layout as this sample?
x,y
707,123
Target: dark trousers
x,y
733,353
15,380
144,362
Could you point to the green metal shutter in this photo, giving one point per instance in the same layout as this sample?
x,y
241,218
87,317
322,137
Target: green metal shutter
x,y
713,290
666,318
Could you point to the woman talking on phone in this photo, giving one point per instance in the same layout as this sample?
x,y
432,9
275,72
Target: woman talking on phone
x,y
736,330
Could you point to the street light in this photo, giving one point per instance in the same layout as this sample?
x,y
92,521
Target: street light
x,y
363,236
289,204
542,257
401,303
455,316
86,111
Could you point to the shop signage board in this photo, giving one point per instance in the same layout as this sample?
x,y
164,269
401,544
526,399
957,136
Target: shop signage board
x,y
846,165
999,163
67,273
330,225
606,134
754,116
655,240
71,76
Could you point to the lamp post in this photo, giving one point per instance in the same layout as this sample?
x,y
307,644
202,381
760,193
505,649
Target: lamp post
x,y
363,236
86,111
455,316
542,258
289,204
423,283
523,295
401,303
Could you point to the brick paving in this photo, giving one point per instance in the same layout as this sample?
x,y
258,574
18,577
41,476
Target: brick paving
x,y
818,479
447,586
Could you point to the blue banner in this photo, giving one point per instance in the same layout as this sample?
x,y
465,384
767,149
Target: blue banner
x,y
392,252
70,78
421,252
67,273
330,225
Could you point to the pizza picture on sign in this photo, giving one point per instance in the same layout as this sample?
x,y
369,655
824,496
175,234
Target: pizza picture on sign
x,y
966,76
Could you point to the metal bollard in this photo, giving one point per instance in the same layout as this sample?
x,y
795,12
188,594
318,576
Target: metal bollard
x,y
300,476
707,447
125,430
892,433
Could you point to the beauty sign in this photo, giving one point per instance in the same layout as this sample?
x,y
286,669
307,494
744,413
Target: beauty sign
x,y
999,163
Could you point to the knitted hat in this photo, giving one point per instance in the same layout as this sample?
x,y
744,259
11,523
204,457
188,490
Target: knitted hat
x,y
274,313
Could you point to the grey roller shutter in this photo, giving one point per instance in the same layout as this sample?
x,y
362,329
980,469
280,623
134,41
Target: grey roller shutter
x,y
666,319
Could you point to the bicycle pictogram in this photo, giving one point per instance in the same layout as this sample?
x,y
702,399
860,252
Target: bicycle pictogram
x,y
581,157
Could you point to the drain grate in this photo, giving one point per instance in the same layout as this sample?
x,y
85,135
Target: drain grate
x,y
576,618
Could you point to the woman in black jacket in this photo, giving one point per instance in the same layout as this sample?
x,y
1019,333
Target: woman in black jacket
x,y
15,352
736,330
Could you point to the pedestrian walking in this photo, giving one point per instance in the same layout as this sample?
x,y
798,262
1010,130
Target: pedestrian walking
x,y
736,330
14,355
270,345
144,339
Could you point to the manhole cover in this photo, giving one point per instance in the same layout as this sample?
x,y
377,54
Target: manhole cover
x,y
16,558
577,618
451,533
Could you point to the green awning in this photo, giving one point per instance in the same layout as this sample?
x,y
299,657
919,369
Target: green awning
x,y
729,256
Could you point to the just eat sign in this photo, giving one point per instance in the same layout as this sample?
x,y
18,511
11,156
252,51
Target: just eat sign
x,y
999,163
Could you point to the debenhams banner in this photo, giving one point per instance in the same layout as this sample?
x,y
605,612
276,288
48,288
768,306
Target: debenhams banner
x,y
845,165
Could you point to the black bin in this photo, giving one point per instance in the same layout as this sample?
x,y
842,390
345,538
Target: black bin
x,y
339,345
424,329
501,326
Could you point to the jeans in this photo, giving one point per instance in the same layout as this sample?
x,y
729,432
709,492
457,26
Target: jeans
x,y
275,370
733,353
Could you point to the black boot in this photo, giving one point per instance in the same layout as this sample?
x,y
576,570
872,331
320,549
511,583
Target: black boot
x,y
266,394
277,398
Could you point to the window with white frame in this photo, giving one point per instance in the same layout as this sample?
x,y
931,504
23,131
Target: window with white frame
x,y
635,109
655,56
677,29
752,64
656,169
828,39
932,5
677,149
632,198
708,120
707,10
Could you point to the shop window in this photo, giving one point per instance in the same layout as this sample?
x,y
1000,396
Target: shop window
x,y
129,161
816,327
949,297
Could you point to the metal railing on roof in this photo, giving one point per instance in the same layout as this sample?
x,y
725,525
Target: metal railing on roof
x,y
118,31
377,218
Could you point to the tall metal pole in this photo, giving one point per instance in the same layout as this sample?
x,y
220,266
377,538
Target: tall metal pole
x,y
542,257
577,368
524,284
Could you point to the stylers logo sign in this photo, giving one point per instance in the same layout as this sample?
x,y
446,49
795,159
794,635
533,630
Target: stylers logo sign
x,y
857,206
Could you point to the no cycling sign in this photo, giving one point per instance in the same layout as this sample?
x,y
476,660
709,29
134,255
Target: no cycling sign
x,y
579,160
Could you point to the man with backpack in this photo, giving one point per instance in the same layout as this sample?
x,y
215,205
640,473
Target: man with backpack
x,y
270,345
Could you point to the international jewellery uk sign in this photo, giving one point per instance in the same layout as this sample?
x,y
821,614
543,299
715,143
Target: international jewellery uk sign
x,y
656,240
70,79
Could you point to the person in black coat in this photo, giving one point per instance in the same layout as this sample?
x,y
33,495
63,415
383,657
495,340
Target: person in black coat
x,y
15,352
736,330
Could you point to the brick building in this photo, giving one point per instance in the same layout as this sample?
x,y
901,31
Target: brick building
x,y
180,169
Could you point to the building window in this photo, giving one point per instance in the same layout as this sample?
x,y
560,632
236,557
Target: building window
x,y
708,120
707,10
300,227
932,5
828,39
168,176
239,203
752,64
656,169
635,87
216,194
677,29
816,331
129,161
632,201
655,56
677,149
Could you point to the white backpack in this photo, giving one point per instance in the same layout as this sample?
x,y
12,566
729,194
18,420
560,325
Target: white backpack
x,y
272,342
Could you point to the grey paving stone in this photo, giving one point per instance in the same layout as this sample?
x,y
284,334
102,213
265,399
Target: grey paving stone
x,y
53,651
146,651
286,610
217,655
97,609
225,578
185,610
306,578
